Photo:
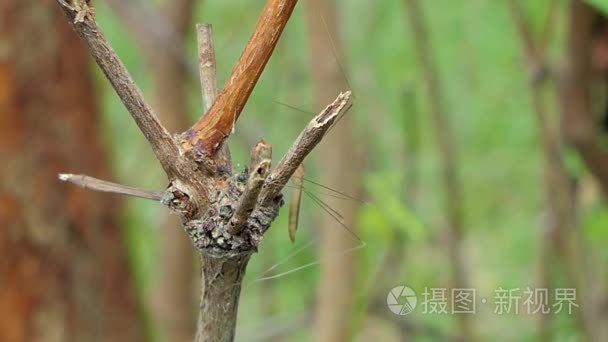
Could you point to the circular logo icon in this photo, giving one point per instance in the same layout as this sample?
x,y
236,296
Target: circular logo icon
x,y
401,300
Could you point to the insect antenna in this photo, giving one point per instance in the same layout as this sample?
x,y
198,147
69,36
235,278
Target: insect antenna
x,y
293,107
334,190
334,51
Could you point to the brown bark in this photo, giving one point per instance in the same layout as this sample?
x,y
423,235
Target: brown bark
x,y
342,163
447,152
578,123
582,130
220,296
561,237
213,129
63,266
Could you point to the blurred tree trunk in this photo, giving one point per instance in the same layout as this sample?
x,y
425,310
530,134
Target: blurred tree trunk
x,y
342,164
62,260
448,153
579,124
162,35
583,129
174,296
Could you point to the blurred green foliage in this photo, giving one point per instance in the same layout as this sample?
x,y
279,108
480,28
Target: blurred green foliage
x,y
478,56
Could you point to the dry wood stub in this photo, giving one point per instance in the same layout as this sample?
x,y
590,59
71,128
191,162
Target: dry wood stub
x,y
232,222
211,233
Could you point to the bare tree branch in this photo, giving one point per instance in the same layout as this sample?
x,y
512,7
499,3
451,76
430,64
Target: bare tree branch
x,y
448,153
81,18
208,78
206,64
207,135
533,52
558,238
153,30
105,186
306,141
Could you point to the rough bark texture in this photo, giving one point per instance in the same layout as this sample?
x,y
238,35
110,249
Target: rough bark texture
x,y
341,168
62,261
447,152
220,296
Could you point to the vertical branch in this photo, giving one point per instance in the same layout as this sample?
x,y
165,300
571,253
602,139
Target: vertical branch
x,y
447,152
64,265
221,287
558,196
206,64
213,129
173,293
208,77
581,129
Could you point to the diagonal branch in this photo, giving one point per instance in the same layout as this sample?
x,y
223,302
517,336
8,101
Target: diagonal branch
x,y
91,183
208,134
81,18
533,52
156,30
306,141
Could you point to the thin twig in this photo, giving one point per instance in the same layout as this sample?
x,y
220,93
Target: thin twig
x,y
207,67
533,52
81,18
105,186
306,141
213,129
206,64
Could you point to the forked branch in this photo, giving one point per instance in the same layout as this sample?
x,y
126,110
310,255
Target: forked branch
x,y
208,134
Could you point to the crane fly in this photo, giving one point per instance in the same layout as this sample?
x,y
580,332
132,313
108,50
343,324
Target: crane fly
x,y
295,201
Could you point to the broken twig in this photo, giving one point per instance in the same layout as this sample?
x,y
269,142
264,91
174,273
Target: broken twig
x,y
306,141
105,186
